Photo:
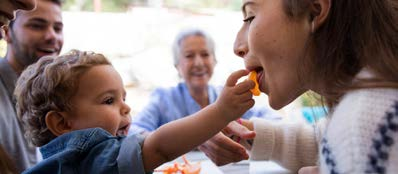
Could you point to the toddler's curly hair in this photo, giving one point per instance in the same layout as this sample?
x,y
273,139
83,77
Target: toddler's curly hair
x,y
48,85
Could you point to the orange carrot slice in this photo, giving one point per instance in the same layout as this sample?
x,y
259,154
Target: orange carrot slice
x,y
256,90
184,168
192,169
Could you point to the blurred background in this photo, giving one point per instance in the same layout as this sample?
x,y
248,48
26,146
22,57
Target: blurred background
x,y
136,35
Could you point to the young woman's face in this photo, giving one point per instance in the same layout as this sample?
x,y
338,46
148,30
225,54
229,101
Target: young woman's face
x,y
8,7
196,62
100,102
274,46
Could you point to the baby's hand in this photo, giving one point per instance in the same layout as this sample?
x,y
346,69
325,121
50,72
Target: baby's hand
x,y
236,99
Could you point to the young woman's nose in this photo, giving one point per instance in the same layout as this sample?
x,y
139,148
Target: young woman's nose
x,y
240,45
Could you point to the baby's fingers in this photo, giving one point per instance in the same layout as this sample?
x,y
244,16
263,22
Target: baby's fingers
x,y
247,100
244,87
235,76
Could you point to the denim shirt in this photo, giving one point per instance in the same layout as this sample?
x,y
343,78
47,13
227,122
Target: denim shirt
x,y
92,150
168,104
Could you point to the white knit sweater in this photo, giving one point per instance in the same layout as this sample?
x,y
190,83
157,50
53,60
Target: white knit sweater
x,y
360,137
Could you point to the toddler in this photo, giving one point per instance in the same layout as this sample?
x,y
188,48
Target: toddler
x,y
73,107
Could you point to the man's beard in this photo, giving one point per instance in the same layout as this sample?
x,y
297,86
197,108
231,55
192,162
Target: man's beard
x,y
23,56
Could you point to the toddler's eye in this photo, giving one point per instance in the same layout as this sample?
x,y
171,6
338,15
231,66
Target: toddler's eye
x,y
108,101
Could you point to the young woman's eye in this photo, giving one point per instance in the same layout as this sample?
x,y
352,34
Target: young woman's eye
x,y
108,101
248,19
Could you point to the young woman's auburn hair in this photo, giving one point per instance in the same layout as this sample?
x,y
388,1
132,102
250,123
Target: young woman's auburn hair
x,y
357,35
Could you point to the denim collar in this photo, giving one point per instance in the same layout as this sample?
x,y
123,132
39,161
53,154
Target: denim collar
x,y
80,140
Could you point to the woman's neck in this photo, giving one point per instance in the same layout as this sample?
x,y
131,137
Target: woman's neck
x,y
200,95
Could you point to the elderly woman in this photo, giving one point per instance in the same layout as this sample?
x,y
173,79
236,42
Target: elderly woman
x,y
194,59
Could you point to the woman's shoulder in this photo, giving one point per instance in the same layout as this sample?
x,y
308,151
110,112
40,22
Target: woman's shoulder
x,y
370,96
367,102
363,119
168,89
364,109
166,92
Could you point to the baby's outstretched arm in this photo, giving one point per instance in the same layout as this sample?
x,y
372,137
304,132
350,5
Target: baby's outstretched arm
x,y
178,137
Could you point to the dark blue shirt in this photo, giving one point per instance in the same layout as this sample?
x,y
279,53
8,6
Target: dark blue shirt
x,y
89,151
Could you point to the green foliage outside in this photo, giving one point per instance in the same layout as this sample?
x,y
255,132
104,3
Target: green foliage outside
x,y
123,5
310,99
312,107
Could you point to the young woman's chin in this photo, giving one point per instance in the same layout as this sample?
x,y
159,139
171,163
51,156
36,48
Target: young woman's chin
x,y
275,104
279,101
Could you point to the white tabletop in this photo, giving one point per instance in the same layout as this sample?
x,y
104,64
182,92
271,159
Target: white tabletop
x,y
265,167
243,167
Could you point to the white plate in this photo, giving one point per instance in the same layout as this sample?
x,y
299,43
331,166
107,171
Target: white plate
x,y
207,167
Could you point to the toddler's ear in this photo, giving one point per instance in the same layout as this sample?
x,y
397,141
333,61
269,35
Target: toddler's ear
x,y
57,123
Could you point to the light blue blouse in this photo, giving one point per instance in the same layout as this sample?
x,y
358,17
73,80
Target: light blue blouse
x,y
168,104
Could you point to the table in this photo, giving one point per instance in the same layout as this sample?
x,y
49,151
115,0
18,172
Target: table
x,y
243,167
265,167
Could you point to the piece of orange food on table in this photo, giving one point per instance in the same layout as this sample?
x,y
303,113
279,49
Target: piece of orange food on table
x,y
185,168
256,90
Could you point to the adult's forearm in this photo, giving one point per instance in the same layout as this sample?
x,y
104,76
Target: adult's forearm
x,y
291,145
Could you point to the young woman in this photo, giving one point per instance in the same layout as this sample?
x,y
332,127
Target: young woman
x,y
347,51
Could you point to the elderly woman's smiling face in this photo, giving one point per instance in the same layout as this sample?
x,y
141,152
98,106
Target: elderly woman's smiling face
x,y
273,44
196,62
8,7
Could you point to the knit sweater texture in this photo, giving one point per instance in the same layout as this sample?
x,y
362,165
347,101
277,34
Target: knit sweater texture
x,y
359,136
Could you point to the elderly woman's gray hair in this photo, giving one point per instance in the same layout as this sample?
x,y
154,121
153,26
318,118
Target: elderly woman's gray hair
x,y
191,32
